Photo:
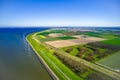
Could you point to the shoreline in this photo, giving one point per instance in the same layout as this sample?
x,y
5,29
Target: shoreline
x,y
50,72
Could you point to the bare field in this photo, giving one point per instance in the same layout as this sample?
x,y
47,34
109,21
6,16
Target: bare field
x,y
55,35
81,40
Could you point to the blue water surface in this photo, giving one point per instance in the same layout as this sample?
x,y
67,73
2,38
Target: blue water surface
x,y
17,60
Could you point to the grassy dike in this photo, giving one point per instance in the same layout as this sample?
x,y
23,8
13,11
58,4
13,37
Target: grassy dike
x,y
57,70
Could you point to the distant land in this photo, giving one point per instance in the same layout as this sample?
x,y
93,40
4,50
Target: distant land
x,y
81,53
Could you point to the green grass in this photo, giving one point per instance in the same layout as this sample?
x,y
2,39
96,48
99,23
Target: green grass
x,y
74,52
115,41
41,36
52,61
102,50
111,61
87,73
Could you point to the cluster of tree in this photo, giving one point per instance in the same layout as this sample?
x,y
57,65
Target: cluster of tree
x,y
44,33
89,51
81,51
111,48
84,50
72,63
89,58
71,33
102,55
69,50
79,54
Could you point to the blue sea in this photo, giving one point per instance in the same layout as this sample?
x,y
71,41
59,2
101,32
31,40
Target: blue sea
x,y
17,60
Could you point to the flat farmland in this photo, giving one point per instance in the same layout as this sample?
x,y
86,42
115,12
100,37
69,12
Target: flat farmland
x,y
115,41
112,61
71,42
101,34
46,39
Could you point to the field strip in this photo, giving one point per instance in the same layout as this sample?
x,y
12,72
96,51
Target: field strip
x,y
107,67
51,61
44,63
57,67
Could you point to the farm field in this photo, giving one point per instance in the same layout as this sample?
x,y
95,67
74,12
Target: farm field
x,y
115,41
71,42
111,61
101,34
93,47
62,40
55,38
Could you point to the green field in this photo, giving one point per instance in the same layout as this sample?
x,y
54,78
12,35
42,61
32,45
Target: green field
x,y
55,38
101,34
115,41
66,37
41,36
58,68
112,61
95,34
45,33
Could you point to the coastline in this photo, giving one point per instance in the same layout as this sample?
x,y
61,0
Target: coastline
x,y
32,37
51,73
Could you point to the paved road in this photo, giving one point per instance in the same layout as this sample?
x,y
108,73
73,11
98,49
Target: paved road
x,y
89,64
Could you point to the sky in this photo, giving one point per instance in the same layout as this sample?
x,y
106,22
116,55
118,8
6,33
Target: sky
x,y
59,13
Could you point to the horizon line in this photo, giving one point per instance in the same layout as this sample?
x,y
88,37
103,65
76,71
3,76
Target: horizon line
x,y
50,26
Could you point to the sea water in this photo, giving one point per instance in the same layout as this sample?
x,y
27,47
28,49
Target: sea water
x,y
17,60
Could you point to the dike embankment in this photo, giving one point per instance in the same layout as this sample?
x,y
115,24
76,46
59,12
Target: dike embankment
x,y
51,73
